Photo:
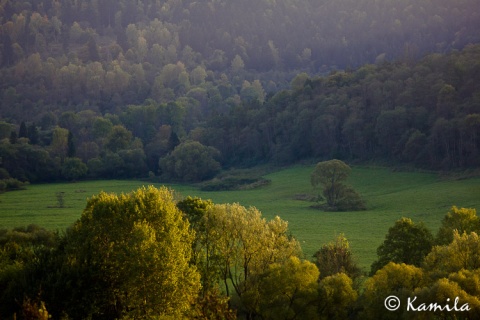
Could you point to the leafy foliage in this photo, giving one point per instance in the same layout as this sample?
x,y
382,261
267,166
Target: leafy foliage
x,y
459,219
449,291
336,257
336,297
395,279
74,169
191,161
242,245
462,253
135,255
405,242
19,249
288,290
127,256
331,175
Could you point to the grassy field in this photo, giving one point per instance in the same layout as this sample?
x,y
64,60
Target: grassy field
x,y
389,196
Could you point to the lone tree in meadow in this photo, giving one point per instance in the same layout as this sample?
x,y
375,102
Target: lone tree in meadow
x,y
331,175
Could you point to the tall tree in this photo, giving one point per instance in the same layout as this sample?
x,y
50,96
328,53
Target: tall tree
x,y
23,131
73,169
245,245
132,252
191,161
59,144
119,138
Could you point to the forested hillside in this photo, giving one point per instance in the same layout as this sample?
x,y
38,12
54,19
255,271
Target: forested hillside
x,y
111,88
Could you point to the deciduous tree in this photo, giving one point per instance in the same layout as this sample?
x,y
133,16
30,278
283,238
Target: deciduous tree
x,y
336,257
288,290
132,252
191,161
59,145
245,245
460,219
453,300
74,169
330,175
405,242
462,253
399,280
336,297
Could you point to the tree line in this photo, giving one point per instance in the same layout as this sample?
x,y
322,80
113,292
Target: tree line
x,y
147,254
424,114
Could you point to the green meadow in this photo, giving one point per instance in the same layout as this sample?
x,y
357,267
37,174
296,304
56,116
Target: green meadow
x,y
389,196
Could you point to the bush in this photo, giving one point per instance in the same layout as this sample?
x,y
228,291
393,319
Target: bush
x,y
73,169
11,184
191,161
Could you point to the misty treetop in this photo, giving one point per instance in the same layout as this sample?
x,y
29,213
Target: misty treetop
x,y
99,55
294,33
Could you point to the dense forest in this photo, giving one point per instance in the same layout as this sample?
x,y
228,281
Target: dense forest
x,y
129,88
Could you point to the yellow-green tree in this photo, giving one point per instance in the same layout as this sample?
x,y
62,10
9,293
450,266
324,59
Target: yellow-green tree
x,y
446,299
399,280
131,253
288,290
469,280
336,297
462,253
460,219
212,303
196,211
245,245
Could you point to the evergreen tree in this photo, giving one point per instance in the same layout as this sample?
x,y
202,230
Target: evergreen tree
x,y
23,131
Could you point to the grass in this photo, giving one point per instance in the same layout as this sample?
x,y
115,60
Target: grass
x,y
389,196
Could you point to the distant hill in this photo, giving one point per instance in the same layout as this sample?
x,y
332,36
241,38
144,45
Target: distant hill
x,y
267,35
259,81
